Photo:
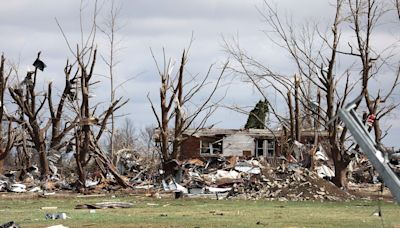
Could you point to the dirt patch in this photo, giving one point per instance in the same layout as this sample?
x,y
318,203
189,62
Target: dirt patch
x,y
370,191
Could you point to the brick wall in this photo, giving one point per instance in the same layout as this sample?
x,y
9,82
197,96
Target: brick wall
x,y
190,148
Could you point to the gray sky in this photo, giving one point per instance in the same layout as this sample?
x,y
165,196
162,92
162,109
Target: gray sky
x,y
28,26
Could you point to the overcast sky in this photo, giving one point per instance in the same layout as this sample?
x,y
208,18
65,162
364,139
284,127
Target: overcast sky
x,y
28,26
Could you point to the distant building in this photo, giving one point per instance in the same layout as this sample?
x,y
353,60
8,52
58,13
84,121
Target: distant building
x,y
265,143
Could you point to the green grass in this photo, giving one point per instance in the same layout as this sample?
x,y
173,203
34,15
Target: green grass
x,y
199,213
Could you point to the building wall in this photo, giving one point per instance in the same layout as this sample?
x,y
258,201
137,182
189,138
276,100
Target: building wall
x,y
233,145
190,148
237,145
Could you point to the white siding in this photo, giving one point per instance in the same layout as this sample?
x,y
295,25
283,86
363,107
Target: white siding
x,y
234,145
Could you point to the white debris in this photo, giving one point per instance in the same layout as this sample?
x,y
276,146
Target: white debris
x,y
90,183
325,171
218,190
222,174
147,186
320,155
173,186
35,189
18,188
298,149
3,185
194,174
248,169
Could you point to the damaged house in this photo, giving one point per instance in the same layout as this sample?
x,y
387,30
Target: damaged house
x,y
243,143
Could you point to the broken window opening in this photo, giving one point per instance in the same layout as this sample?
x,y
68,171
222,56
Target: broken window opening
x,y
270,147
260,147
211,146
265,147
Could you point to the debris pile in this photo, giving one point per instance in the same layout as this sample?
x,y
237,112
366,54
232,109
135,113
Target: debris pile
x,y
293,184
249,179
215,177
135,169
361,170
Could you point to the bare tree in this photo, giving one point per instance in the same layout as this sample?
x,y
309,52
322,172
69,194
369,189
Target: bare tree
x,y
7,138
174,105
57,116
90,125
36,123
146,137
126,139
110,30
315,67
87,139
315,55
365,16
264,80
26,98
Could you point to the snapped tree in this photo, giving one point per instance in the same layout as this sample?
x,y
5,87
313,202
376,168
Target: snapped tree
x,y
174,109
7,137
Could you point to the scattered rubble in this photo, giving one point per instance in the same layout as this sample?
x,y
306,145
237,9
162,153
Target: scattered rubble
x,y
214,177
104,205
54,216
10,224
249,179
296,185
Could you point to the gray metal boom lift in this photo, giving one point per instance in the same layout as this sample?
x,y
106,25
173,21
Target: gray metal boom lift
x,y
373,151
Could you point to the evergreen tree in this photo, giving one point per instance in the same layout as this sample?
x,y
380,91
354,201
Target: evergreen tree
x,y
257,116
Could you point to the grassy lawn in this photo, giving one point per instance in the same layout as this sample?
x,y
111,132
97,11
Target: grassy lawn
x,y
149,212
